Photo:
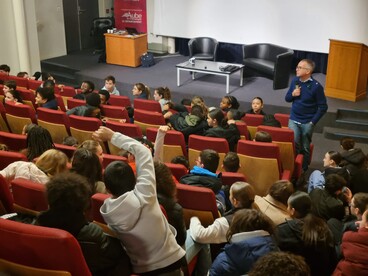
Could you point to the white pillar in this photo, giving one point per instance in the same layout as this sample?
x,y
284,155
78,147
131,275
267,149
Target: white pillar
x,y
171,45
21,35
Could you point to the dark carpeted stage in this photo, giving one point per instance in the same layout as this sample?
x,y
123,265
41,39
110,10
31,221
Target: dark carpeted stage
x,y
211,88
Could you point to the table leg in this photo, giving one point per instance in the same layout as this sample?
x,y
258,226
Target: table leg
x,y
177,76
227,84
241,76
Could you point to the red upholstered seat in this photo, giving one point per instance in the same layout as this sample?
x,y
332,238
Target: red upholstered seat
x,y
252,121
283,119
8,157
197,143
41,247
71,103
116,113
146,119
117,100
15,142
178,170
19,115
229,178
21,82
108,158
148,105
6,197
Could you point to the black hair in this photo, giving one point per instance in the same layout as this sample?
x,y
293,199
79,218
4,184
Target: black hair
x,y
210,159
105,93
219,116
232,101
119,178
39,140
90,84
334,183
46,93
5,68
93,99
110,78
235,114
48,83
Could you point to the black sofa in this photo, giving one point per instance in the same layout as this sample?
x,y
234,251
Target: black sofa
x,y
270,61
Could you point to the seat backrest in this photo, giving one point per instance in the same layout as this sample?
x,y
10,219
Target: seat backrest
x,y
28,97
206,45
177,170
68,150
252,121
108,158
117,100
55,121
243,130
29,197
199,202
34,84
128,129
60,102
148,105
284,138
117,113
8,157
145,119
197,143
71,103
67,91
97,201
21,82
261,163
174,143
15,142
41,247
283,119
6,197
228,178
19,115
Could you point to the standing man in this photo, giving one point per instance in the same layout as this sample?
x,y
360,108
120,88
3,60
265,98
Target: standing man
x,y
308,106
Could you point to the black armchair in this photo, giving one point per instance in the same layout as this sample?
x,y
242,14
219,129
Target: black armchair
x,y
204,48
269,60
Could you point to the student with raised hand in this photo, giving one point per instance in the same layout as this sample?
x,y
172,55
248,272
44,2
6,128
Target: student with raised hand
x,y
133,211
249,238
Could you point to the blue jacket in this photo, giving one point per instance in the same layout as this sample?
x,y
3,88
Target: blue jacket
x,y
311,105
238,257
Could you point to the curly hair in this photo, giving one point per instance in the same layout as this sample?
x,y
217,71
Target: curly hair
x,y
280,263
39,140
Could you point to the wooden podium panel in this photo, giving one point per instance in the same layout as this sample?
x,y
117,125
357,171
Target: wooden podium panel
x,y
347,70
125,49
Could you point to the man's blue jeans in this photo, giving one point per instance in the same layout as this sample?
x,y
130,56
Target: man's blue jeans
x,y
302,138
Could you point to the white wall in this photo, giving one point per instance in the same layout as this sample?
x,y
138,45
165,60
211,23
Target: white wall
x,y
50,28
297,24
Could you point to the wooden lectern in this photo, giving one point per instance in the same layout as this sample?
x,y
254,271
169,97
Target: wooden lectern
x,y
347,70
125,49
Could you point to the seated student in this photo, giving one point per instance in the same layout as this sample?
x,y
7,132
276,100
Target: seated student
x,y
352,158
231,162
274,204
162,95
50,163
263,136
38,141
87,164
104,96
10,93
270,120
280,263
249,238
181,159
354,249
141,91
70,141
68,195
87,87
189,123
204,175
45,98
331,163
235,114
133,209
257,107
4,69
241,197
330,201
219,127
94,147
307,235
229,102
90,109
110,85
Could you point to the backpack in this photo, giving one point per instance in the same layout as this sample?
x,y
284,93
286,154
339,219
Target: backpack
x,y
147,60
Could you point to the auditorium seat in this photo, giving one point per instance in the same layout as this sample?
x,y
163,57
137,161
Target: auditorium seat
x,y
6,197
145,119
8,157
252,121
198,143
261,163
229,178
108,158
177,170
114,113
21,82
28,97
117,100
34,84
147,105
283,119
19,115
71,103
40,248
15,142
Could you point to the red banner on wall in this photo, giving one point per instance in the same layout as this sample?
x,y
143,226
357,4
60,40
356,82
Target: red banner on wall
x,y
131,13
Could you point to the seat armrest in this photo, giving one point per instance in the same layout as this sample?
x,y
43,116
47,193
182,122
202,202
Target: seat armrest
x,y
298,163
286,175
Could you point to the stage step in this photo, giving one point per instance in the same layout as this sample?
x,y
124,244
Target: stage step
x,y
338,133
63,74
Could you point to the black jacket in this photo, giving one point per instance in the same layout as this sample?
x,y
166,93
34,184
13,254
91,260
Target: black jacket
x,y
213,183
231,134
353,160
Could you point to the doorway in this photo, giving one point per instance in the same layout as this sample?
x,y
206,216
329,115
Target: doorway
x,y
78,17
